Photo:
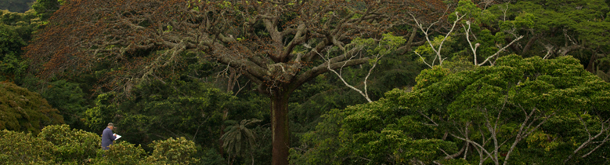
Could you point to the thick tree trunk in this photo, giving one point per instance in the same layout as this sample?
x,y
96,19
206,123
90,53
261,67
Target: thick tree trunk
x,y
279,127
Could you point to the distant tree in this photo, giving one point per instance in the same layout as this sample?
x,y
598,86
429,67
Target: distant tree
x,y
45,8
23,110
10,51
16,5
69,99
15,32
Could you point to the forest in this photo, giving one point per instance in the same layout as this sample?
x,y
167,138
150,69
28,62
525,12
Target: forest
x,y
342,82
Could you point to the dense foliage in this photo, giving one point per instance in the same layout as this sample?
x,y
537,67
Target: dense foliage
x,y
24,148
58,144
517,111
269,47
23,110
323,82
15,31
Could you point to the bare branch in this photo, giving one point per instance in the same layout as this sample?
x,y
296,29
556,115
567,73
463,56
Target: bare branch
x,y
426,116
364,94
525,131
482,148
605,127
437,51
501,50
422,59
474,49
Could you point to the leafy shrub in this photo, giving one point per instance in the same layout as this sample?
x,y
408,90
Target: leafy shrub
x,y
23,148
71,144
58,144
120,153
173,151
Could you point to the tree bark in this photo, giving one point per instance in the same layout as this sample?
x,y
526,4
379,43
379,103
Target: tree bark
x,y
411,37
279,126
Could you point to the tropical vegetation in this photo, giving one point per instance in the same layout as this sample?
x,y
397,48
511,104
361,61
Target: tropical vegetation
x,y
305,82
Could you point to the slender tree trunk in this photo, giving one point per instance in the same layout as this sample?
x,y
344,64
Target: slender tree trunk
x,y
279,126
220,141
590,67
222,132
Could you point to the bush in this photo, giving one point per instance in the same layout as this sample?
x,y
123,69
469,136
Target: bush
x,y
121,153
71,144
23,148
58,144
173,151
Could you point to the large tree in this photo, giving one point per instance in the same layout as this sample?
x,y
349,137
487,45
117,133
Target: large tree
x,y
276,44
532,110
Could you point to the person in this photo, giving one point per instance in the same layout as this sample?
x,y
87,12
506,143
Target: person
x,y
107,136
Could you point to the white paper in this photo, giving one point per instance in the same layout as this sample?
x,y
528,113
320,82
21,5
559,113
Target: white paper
x,y
117,136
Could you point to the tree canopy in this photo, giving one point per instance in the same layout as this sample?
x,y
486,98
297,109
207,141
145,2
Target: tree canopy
x,y
496,115
23,110
307,82
15,32
277,45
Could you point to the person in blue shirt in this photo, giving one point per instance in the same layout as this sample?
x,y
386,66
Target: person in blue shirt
x,y
107,136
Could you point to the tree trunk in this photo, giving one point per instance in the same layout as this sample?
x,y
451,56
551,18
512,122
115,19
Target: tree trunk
x,y
222,132
220,141
410,41
590,67
279,126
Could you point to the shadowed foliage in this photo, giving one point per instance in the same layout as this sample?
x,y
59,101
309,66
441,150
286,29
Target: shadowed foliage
x,y
239,140
23,110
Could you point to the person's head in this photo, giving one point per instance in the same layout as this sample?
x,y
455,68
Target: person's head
x,y
111,126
